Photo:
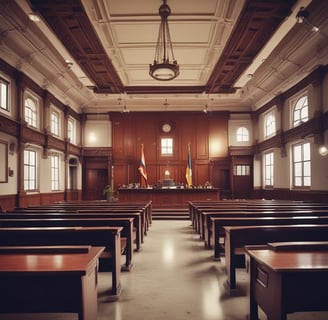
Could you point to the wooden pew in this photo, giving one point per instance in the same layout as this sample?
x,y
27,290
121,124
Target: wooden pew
x,y
238,237
220,223
253,214
204,215
195,207
46,286
108,237
94,211
127,233
198,208
94,206
287,278
81,216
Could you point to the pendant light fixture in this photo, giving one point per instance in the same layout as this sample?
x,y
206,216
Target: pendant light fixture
x,y
164,67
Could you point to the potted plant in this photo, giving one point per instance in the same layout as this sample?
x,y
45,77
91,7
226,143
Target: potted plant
x,y
110,193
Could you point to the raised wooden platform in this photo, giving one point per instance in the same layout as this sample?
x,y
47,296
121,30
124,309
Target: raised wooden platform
x,y
170,214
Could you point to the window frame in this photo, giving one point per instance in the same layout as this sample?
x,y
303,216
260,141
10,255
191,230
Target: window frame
x,y
55,122
71,133
30,115
241,170
270,130
30,176
6,90
294,102
244,133
167,147
55,171
301,163
268,169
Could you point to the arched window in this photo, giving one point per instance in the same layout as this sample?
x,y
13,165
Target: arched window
x,y
31,112
242,134
270,125
301,111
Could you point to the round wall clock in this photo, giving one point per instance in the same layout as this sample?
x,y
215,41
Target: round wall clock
x,y
166,127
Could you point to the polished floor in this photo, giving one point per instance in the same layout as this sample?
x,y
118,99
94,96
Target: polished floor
x,y
173,278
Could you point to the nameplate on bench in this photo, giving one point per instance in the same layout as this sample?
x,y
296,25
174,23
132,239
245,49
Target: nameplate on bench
x,y
44,249
298,245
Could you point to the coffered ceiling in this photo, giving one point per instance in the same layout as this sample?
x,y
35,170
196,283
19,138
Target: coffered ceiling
x,y
94,55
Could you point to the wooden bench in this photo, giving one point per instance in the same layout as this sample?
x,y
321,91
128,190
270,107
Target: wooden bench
x,y
204,215
197,208
238,237
46,286
127,233
81,216
94,206
108,237
220,223
253,214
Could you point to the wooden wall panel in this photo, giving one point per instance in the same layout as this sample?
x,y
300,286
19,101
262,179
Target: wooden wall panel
x,y
200,130
202,134
218,136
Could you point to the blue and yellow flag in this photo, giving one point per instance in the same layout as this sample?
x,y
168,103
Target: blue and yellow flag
x,y
188,169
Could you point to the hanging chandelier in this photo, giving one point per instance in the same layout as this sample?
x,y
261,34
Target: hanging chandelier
x,y
164,67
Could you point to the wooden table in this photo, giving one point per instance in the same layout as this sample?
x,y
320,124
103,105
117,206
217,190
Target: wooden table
x,y
287,277
49,279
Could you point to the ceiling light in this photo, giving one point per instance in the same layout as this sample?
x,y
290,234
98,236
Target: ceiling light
x,y
302,16
164,67
34,17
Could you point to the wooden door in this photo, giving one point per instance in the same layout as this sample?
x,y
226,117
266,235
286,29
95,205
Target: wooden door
x,y
95,181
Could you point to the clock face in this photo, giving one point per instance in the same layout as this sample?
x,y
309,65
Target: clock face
x,y
166,127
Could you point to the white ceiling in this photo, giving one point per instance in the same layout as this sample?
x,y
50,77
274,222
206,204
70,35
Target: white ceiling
x,y
128,31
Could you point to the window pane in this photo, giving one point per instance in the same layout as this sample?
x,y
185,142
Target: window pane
x,y
307,181
307,152
307,169
4,93
298,181
297,153
298,169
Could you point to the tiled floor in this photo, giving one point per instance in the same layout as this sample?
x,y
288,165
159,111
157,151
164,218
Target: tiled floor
x,y
174,278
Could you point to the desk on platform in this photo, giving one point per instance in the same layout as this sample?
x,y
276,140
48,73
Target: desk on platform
x,y
49,280
287,279
168,197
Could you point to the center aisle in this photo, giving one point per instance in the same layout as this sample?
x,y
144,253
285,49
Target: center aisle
x,y
173,277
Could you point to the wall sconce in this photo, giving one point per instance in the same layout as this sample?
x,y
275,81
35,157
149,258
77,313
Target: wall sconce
x,y
10,172
12,148
323,150
167,174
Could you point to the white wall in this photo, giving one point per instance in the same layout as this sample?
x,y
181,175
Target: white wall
x,y
98,133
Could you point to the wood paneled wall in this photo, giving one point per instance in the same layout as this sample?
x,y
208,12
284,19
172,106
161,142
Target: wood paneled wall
x,y
207,135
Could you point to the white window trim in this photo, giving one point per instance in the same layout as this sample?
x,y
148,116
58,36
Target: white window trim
x,y
29,95
162,148
266,116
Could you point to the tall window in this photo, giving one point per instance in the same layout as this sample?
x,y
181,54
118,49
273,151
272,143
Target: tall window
x,y
31,111
71,130
30,170
270,125
55,172
302,165
166,146
54,122
268,169
301,111
242,134
4,94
